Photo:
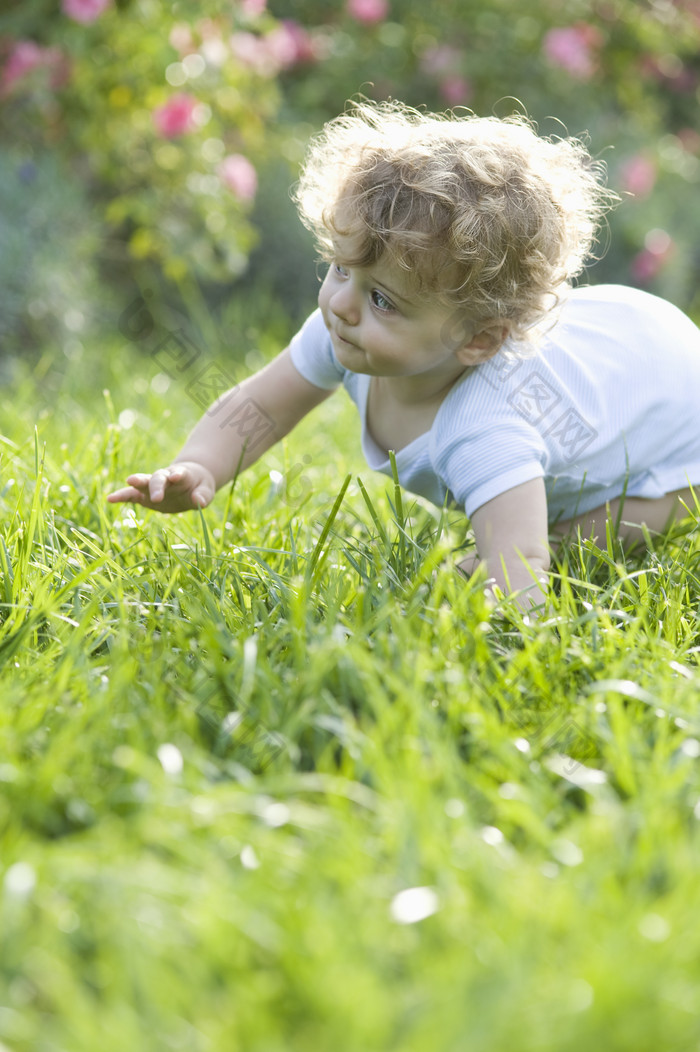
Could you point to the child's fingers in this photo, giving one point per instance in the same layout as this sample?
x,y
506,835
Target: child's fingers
x,y
201,496
160,480
168,489
129,494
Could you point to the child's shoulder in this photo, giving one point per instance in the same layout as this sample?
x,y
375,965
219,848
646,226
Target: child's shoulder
x,y
620,299
623,315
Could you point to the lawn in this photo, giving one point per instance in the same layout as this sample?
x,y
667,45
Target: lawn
x,y
274,779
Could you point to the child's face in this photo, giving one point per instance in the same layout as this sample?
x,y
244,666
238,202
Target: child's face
x,y
382,325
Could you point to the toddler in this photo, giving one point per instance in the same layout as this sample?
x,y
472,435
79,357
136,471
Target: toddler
x,y
448,314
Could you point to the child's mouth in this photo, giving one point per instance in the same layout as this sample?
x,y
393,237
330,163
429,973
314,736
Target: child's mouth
x,y
348,343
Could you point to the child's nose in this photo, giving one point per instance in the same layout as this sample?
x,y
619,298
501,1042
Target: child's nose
x,y
345,305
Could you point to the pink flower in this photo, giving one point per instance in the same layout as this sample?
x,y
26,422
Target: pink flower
x,y
455,90
176,116
285,46
252,51
252,8
84,10
239,175
638,175
289,44
440,58
647,264
368,11
24,57
27,56
181,38
574,48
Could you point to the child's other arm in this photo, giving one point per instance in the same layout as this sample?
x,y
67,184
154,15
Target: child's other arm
x,y
511,539
232,434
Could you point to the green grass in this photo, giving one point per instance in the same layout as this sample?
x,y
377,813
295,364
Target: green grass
x,y
273,779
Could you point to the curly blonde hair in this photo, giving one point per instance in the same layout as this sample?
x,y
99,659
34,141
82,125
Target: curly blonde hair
x,y
483,212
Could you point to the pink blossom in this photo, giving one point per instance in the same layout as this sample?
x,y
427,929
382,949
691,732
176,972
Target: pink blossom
x,y
24,57
455,90
181,38
27,56
176,116
252,8
84,10
368,11
638,175
289,44
647,264
239,175
439,58
574,48
285,46
252,51
208,29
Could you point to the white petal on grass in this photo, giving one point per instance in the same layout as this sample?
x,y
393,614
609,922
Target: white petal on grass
x,y
249,860
170,758
230,721
20,880
682,670
414,904
549,870
522,744
589,778
691,748
127,419
276,814
491,835
566,852
654,927
454,808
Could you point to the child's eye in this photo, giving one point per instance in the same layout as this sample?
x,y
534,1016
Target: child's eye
x,y
340,270
380,301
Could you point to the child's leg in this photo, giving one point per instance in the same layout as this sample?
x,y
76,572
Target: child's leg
x,y
656,515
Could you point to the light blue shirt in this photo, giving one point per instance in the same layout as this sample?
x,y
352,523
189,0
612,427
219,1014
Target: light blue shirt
x,y
608,402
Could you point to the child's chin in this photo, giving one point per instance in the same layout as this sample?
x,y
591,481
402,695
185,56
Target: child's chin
x,y
348,352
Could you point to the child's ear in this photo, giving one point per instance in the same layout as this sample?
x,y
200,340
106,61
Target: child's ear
x,y
484,343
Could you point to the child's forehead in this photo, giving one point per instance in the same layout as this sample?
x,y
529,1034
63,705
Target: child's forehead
x,y
351,250
384,269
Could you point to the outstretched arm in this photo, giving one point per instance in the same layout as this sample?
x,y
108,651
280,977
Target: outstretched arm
x,y
232,434
511,539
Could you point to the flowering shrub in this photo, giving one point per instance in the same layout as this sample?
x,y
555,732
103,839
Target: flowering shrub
x,y
161,124
171,116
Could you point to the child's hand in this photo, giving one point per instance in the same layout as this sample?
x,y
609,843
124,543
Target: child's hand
x,y
181,487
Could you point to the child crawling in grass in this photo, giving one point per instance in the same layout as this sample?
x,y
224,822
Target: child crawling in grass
x,y
447,312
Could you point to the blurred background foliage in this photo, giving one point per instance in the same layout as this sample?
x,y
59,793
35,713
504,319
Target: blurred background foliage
x,y
152,144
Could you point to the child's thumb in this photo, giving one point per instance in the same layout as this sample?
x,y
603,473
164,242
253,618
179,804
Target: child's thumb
x,y
202,495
